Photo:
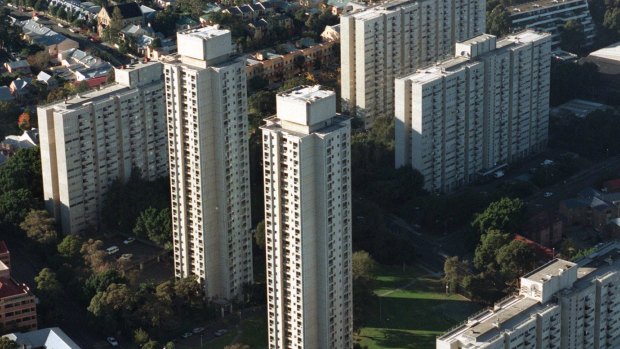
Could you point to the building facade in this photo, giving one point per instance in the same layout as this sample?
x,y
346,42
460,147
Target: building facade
x,y
91,140
560,305
550,16
18,310
387,41
206,105
473,113
307,174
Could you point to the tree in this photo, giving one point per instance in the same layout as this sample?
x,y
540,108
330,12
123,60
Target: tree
x,y
110,78
70,247
189,292
94,255
39,226
259,236
156,225
164,21
170,345
113,308
572,38
140,337
299,62
23,171
6,343
490,243
14,206
40,60
498,21
611,20
62,13
23,122
150,345
257,83
454,271
194,7
505,215
48,287
99,282
514,259
82,86
363,267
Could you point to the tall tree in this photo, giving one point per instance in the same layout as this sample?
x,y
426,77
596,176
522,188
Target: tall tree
x,y
514,259
94,255
23,170
572,38
40,227
14,206
70,247
486,252
454,271
156,225
498,21
505,215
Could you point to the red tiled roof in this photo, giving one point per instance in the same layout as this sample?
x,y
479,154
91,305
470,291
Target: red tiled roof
x,y
3,248
540,250
612,185
10,288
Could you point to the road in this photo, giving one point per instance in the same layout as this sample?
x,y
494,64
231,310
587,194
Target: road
x,y
571,186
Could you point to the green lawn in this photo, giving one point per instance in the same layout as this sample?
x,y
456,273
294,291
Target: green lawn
x,y
411,317
253,333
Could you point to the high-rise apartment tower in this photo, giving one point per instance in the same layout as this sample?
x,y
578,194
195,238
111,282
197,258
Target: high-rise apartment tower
x,y
473,114
206,104
307,169
384,42
91,140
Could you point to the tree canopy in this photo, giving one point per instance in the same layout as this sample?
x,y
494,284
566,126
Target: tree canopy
x,y
40,227
505,215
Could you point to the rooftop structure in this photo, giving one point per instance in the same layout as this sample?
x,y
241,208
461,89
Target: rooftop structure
x,y
555,308
50,338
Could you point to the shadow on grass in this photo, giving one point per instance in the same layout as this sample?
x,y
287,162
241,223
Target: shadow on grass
x,y
418,314
404,339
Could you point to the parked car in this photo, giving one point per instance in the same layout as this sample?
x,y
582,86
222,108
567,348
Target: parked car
x,y
198,330
186,334
548,194
129,240
220,333
113,342
111,250
125,257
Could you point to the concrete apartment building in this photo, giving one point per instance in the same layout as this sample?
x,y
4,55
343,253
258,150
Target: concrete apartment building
x,y
93,139
550,16
384,42
206,103
307,174
560,305
476,112
18,310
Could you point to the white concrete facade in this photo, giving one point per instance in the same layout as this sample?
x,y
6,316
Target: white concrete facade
x,y
561,305
91,140
384,42
306,161
550,16
206,104
485,107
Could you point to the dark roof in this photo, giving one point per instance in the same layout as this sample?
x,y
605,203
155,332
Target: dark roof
x,y
128,10
612,185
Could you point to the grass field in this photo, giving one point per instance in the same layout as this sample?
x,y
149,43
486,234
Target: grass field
x,y
411,310
253,333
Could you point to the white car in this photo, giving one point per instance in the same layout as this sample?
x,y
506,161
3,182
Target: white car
x,y
125,257
548,194
113,342
221,332
198,330
129,240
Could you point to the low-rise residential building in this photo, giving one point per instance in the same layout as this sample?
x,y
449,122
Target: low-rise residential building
x,y
43,36
17,66
607,60
5,94
544,228
18,310
50,338
82,66
276,67
591,208
130,14
21,88
331,33
94,139
559,305
550,16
